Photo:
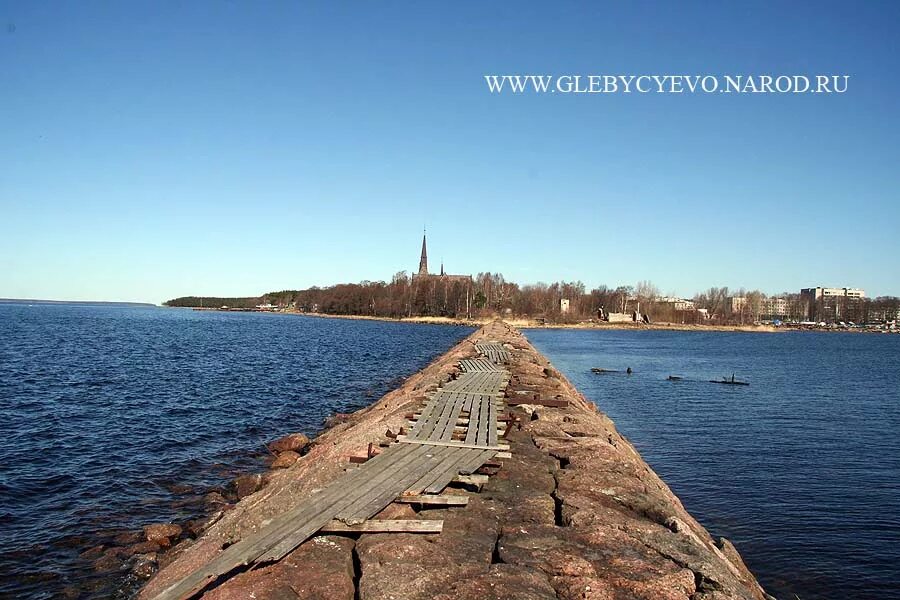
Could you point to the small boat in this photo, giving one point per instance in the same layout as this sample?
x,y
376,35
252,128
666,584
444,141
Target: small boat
x,y
674,378
596,370
732,381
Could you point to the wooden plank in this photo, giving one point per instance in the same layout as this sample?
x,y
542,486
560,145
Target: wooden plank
x,y
492,424
434,499
465,465
405,440
479,365
249,549
443,406
448,465
386,526
427,415
445,430
471,479
296,532
382,495
472,429
388,495
484,421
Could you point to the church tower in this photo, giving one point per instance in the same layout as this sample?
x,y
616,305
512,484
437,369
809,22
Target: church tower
x,y
423,261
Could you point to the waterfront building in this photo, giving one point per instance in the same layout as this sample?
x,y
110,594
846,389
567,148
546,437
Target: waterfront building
x,y
832,304
774,308
737,303
676,303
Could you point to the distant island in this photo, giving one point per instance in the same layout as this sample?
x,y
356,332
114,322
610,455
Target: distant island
x,y
80,302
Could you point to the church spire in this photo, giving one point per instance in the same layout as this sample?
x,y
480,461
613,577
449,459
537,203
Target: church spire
x,y
423,261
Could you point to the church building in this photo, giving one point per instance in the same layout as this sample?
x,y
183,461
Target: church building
x,y
443,277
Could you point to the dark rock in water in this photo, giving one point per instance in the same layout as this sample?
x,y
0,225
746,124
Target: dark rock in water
x,y
144,548
93,553
179,488
285,460
144,565
111,560
214,499
247,484
128,538
294,442
162,533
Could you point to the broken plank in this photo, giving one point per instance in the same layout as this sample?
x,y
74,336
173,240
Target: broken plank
x,y
434,500
471,479
386,526
407,440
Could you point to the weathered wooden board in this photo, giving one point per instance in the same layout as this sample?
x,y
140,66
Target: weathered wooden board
x,y
477,365
433,499
495,352
386,526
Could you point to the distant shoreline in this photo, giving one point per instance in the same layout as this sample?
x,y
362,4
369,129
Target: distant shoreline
x,y
80,302
532,324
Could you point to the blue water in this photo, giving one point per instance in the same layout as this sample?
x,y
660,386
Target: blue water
x,y
111,415
801,470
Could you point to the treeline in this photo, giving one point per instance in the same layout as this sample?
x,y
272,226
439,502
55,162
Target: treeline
x,y
213,302
565,301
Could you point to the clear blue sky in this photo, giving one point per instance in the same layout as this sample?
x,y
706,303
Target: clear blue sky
x,y
156,149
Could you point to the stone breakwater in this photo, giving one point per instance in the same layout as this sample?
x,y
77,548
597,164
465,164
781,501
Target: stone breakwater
x,y
575,513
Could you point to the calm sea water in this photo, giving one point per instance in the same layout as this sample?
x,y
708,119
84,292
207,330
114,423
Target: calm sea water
x,y
109,415
801,469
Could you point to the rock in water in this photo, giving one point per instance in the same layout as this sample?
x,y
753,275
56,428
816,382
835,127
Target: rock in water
x,y
247,484
294,442
162,533
285,460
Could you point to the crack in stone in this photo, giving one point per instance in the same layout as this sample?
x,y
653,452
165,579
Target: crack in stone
x,y
357,571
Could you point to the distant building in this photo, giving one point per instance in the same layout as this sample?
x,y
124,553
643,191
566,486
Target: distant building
x,y
677,303
737,303
832,304
774,308
563,305
442,277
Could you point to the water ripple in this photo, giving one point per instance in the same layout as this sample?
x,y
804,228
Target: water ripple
x,y
801,469
107,410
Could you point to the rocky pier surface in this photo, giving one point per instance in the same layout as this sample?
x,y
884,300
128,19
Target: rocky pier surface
x,y
574,514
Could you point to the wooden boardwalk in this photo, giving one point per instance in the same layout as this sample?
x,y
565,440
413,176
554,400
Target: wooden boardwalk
x,y
494,352
455,433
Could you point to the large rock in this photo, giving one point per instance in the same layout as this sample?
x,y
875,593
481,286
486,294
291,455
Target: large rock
x,y
418,567
162,533
501,582
294,442
144,548
285,460
607,561
247,484
320,569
